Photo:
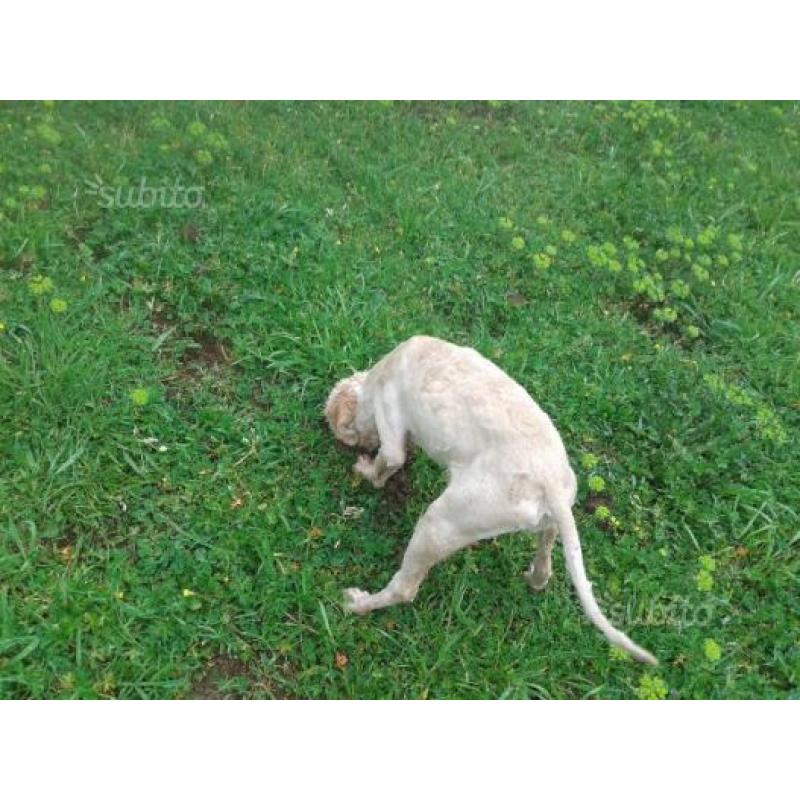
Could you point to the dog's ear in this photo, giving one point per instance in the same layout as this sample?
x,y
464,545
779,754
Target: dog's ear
x,y
344,409
340,411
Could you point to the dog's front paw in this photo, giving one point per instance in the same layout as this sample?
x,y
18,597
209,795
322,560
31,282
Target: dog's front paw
x,y
357,601
365,466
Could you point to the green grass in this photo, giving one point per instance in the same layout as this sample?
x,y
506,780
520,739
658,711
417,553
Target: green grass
x,y
193,539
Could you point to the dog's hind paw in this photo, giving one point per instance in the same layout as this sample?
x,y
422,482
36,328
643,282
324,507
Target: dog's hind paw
x,y
535,581
357,601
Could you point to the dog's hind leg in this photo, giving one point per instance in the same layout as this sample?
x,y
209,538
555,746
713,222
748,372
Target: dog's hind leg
x,y
461,516
542,565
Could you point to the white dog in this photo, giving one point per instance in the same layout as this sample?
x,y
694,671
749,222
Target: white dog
x,y
507,466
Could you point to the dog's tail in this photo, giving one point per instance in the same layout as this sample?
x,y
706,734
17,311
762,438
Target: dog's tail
x,y
562,513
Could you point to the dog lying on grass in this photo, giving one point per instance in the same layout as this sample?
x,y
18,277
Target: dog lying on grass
x,y
508,469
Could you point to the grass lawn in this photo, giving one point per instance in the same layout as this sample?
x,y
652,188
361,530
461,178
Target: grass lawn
x,y
175,519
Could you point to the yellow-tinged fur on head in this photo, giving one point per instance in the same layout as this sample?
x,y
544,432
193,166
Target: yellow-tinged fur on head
x,y
341,407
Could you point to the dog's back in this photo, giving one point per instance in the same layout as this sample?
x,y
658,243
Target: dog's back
x,y
460,405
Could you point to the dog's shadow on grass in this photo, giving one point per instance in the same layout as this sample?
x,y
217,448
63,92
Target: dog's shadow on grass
x,y
397,491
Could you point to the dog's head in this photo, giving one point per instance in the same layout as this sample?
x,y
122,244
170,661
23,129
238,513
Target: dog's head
x,y
341,408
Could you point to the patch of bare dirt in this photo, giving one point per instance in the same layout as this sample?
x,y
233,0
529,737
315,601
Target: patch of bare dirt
x,y
595,500
476,109
190,234
160,319
398,488
483,109
207,351
223,668
219,670
25,262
